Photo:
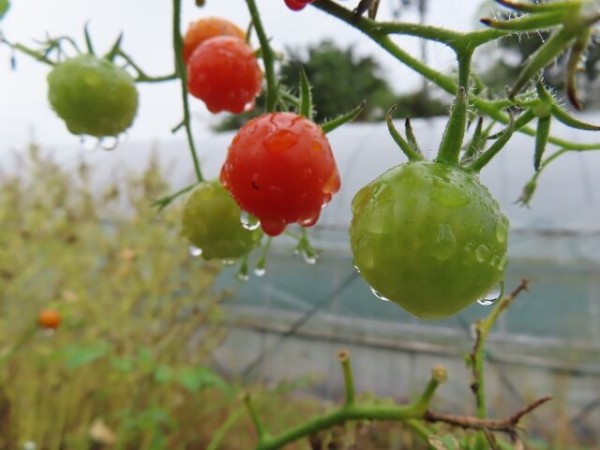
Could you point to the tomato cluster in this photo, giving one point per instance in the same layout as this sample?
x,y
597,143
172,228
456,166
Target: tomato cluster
x,y
222,68
93,96
280,168
429,237
297,5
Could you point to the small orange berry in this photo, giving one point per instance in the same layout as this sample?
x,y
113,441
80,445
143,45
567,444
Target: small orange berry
x,y
49,318
208,28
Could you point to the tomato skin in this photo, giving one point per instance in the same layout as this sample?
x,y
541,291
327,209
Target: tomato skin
x,y
211,222
280,168
429,237
297,5
49,319
93,96
207,28
223,72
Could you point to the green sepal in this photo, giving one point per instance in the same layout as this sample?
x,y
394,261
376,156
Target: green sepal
x,y
477,142
115,49
455,129
340,120
560,114
541,139
411,153
410,136
501,141
88,39
306,105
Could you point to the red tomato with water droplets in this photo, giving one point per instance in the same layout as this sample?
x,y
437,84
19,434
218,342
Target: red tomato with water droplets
x,y
224,73
297,5
280,168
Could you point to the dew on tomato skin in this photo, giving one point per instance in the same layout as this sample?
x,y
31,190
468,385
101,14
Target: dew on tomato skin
x,y
445,243
249,222
495,261
378,294
309,221
502,263
490,298
281,140
501,233
195,251
482,253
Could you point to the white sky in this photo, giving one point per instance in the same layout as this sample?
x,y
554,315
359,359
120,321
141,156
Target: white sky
x,y
147,37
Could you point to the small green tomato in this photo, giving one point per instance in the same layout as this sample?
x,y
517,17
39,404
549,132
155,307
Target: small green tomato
x,y
211,222
429,237
93,96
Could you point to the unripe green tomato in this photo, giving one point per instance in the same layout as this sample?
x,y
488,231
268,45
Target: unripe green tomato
x,y
429,237
211,222
93,96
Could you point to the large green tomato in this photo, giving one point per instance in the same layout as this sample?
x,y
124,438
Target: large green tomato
x,y
211,222
429,237
93,96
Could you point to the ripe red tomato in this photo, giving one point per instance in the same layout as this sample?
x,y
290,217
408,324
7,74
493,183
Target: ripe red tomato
x,y
49,319
207,28
224,73
297,5
280,169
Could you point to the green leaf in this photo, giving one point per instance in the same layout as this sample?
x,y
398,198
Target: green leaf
x,y
163,374
4,6
77,356
195,379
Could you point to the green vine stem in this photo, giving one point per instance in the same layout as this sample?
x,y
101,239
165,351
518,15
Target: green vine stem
x,y
268,57
350,410
181,72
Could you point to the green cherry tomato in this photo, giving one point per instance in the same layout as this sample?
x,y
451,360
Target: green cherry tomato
x,y
211,222
429,237
93,96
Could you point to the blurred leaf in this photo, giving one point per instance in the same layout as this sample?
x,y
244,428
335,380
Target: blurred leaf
x,y
443,442
163,374
197,378
124,364
76,356
4,6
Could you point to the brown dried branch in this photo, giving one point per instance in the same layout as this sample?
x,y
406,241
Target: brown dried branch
x,y
508,425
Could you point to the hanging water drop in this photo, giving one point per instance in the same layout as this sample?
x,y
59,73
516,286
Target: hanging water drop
x,y
259,271
195,251
249,222
109,142
309,257
89,143
491,298
378,295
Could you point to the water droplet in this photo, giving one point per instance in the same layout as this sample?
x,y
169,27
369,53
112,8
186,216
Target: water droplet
x,y
309,221
195,251
89,143
495,261
482,253
309,258
281,140
356,268
242,276
445,243
501,233
228,262
448,195
109,142
503,263
379,296
249,222
259,271
491,298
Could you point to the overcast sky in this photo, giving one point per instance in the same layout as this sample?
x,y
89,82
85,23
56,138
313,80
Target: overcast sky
x,y
147,36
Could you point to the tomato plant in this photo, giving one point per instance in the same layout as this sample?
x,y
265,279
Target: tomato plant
x,y
223,72
429,237
211,222
207,28
93,96
280,168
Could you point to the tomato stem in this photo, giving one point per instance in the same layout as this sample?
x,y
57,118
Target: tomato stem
x,y
268,57
455,130
181,71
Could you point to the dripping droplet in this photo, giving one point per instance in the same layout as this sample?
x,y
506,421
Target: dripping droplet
x,y
195,251
378,295
491,298
89,143
249,222
309,258
242,276
259,271
109,142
